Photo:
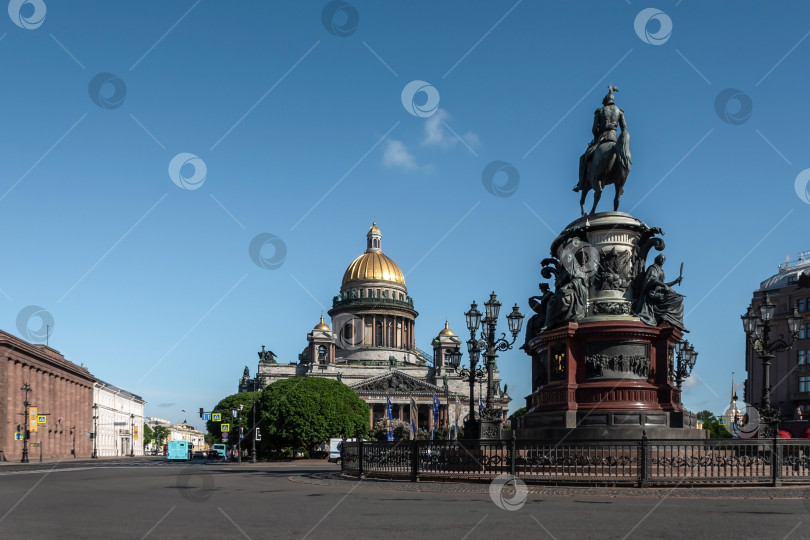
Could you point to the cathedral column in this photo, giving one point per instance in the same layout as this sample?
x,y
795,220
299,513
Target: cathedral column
x,y
371,416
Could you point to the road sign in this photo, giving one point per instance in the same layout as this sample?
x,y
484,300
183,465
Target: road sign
x,y
41,419
225,428
225,436
206,416
35,444
241,435
216,417
18,436
258,434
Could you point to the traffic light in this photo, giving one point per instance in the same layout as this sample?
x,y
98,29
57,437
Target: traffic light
x,y
201,412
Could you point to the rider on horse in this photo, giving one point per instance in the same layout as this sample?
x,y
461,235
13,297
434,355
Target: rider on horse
x,y
605,120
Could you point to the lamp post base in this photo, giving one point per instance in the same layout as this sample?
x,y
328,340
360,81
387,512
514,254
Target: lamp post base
x,y
471,429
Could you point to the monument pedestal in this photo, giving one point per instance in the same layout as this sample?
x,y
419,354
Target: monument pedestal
x,y
598,371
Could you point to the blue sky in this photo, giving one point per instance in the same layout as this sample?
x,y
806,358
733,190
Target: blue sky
x,y
304,136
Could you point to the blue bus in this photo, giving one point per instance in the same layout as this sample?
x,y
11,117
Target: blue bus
x,y
179,451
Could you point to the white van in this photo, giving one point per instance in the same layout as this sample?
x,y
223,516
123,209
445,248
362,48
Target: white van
x,y
334,449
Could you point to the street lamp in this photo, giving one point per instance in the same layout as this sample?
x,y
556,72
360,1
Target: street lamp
x,y
95,431
253,415
25,388
490,418
131,435
686,357
471,375
757,327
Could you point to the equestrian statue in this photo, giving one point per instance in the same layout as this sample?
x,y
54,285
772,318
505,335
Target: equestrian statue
x,y
607,158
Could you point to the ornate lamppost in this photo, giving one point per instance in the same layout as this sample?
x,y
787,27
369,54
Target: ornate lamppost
x,y
132,435
26,388
253,414
490,424
472,375
95,431
757,327
686,357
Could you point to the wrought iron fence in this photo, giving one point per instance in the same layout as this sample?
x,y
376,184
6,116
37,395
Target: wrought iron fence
x,y
641,462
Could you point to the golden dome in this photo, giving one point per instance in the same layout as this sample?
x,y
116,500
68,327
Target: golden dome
x,y
447,331
373,266
321,325
373,229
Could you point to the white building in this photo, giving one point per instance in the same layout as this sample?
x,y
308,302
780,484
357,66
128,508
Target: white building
x,y
185,432
117,421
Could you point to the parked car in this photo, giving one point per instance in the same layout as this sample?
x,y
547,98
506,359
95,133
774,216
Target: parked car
x,y
200,454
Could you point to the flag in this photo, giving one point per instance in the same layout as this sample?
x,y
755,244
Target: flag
x,y
481,406
389,420
435,416
414,418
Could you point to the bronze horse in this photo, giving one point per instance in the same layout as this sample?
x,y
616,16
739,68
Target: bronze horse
x,y
609,163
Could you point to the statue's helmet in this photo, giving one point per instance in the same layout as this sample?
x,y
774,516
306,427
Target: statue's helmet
x,y
608,99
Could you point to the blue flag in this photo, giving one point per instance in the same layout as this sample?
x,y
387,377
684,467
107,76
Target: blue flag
x,y
481,406
435,416
390,420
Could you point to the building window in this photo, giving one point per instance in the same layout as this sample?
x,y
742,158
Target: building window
x,y
804,331
802,304
792,280
378,334
371,293
804,384
802,357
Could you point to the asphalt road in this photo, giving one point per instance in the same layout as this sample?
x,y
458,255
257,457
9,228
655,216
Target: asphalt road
x,y
150,498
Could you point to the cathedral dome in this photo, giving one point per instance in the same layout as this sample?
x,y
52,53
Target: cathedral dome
x,y
321,325
447,331
374,265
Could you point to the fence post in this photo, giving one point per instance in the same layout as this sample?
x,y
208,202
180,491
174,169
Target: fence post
x,y
414,460
776,460
512,454
644,458
359,457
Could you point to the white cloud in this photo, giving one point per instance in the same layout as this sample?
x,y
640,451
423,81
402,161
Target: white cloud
x,y
437,132
396,156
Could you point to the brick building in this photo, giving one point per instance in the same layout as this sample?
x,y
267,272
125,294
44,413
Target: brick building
x,y
59,389
790,370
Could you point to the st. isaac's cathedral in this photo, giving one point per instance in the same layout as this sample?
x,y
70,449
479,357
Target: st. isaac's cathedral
x,y
371,348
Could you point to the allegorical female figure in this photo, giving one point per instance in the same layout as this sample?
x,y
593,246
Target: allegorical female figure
x,y
657,302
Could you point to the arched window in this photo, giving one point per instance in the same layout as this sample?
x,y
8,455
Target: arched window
x,y
378,334
322,354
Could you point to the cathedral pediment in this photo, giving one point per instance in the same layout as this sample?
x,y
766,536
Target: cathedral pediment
x,y
394,382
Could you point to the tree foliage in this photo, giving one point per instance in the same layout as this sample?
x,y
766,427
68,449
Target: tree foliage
x,y
303,412
243,419
712,423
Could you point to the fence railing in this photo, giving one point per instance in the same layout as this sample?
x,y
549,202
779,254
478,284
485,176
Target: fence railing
x,y
640,462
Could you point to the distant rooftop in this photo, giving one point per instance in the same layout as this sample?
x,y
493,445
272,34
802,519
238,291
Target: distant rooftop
x,y
789,272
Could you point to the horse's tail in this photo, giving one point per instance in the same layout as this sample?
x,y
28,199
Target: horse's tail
x,y
623,149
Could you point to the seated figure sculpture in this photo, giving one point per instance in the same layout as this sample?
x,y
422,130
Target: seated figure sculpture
x,y
569,300
657,302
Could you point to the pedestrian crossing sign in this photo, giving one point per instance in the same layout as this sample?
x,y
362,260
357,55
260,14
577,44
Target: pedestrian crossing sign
x,y
42,419
216,417
18,436
225,428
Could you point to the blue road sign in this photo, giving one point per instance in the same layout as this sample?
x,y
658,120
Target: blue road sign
x,y
206,416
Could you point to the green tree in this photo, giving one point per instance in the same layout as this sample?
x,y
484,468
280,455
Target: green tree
x,y
234,401
303,412
161,435
712,423
148,434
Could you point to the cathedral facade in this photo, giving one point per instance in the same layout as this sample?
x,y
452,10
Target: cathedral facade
x,y
371,347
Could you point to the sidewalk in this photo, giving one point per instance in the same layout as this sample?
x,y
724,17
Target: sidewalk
x,y
34,459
